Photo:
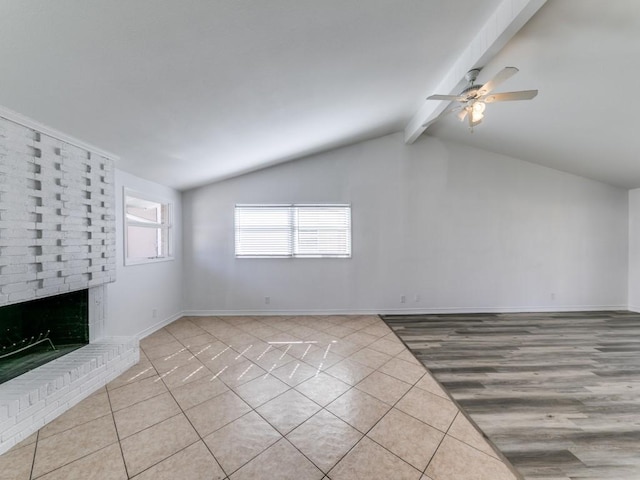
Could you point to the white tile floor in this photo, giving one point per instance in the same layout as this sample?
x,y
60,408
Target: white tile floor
x,y
327,397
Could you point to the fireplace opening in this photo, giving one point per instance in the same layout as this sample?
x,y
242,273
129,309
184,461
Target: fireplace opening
x,y
36,332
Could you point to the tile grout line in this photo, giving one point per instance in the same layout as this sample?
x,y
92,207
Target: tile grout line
x,y
115,426
365,435
201,439
35,451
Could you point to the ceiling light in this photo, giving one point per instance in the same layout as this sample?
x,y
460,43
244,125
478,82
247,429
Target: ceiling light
x,y
477,111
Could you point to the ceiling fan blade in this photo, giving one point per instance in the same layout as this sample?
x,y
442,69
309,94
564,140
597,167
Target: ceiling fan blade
x,y
452,98
509,96
500,77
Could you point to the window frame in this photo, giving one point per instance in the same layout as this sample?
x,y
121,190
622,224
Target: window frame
x,y
166,224
294,230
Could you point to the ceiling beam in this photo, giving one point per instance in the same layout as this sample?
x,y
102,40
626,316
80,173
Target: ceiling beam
x,y
503,24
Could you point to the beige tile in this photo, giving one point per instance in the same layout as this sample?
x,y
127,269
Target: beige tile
x,y
199,342
193,463
203,322
86,410
413,441
360,322
323,388
72,444
261,390
256,349
242,340
238,373
428,383
184,374
183,328
368,460
194,393
431,409
407,356
143,369
136,392
402,370
27,441
219,356
384,387
386,346
222,331
288,410
264,331
272,460
273,359
159,337
344,347
215,413
358,409
322,359
237,320
324,439
181,357
361,338
283,336
16,463
463,430
300,351
142,415
455,459
349,371
241,440
164,350
370,358
339,331
150,446
377,329
304,333
105,464
294,372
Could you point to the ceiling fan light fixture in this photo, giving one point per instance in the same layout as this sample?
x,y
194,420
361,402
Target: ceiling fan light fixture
x,y
477,111
474,97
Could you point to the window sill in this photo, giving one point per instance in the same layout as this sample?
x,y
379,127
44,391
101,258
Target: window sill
x,y
145,261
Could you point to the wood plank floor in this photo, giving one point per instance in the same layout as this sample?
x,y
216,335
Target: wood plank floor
x,y
557,393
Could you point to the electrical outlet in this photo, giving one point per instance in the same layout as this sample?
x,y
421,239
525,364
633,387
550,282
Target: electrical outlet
x,y
403,299
267,300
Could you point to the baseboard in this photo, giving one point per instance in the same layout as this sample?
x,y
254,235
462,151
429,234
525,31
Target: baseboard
x,y
157,326
402,311
633,308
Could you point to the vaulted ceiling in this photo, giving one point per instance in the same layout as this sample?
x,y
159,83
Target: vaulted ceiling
x,y
193,91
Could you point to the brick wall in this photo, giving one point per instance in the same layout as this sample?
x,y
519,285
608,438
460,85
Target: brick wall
x,y
57,219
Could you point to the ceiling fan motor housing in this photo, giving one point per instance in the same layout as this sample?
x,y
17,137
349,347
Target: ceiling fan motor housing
x,y
470,92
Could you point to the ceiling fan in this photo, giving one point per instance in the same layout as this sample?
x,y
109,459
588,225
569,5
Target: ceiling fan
x,y
474,97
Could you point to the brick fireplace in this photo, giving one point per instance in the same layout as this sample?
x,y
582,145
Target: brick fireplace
x,y
57,238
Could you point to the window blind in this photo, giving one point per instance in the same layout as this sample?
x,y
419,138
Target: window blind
x,y
293,231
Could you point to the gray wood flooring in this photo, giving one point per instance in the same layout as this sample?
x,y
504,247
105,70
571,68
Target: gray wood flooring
x,y
557,393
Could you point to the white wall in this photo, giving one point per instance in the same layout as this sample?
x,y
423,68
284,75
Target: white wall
x,y
634,250
141,289
463,229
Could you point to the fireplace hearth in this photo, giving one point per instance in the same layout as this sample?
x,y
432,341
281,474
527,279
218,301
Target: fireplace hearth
x,y
36,332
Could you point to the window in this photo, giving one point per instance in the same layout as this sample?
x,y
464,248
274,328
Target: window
x,y
147,229
310,231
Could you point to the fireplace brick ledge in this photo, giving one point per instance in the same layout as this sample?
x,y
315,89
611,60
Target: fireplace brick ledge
x,y
30,401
